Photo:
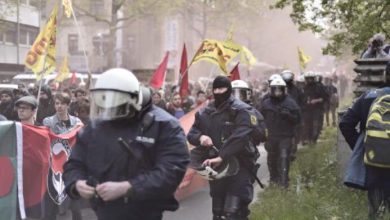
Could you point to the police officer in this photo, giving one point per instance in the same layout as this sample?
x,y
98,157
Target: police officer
x,y
297,94
282,115
234,129
352,125
315,96
132,156
242,91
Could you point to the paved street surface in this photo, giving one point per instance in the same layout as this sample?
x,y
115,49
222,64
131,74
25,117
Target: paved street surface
x,y
196,207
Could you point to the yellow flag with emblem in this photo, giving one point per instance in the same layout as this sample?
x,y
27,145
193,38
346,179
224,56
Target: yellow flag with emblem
x,y
217,52
68,9
247,57
63,72
41,58
303,58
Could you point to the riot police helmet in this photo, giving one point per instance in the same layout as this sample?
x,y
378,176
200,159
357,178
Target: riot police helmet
x,y
241,90
288,76
116,95
273,77
278,88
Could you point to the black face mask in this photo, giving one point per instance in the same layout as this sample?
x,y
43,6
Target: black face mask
x,y
222,82
221,98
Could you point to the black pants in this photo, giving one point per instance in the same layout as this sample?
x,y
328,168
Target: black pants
x,y
278,159
378,203
238,187
312,126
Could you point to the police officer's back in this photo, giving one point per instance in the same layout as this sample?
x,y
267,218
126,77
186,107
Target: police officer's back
x,y
132,156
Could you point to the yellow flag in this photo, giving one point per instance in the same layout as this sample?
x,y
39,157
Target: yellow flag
x,y
303,58
217,52
41,58
63,72
68,9
247,57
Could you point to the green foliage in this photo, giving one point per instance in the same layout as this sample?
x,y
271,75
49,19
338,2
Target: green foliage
x,y
316,190
345,23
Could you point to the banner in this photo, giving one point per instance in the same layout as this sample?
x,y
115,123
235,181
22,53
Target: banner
x,y
36,168
41,58
303,58
63,72
217,52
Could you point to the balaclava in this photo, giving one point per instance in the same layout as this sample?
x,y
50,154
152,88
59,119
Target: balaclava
x,y
222,82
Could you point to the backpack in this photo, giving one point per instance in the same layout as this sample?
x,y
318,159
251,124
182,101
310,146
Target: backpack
x,y
377,139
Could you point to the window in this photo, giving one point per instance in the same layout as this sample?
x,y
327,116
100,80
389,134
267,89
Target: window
x,y
73,43
10,34
23,37
32,35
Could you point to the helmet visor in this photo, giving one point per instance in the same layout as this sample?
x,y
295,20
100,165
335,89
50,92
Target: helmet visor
x,y
110,105
277,91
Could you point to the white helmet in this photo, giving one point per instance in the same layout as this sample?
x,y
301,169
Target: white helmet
x,y
288,76
274,76
277,82
309,74
278,88
241,90
301,78
240,84
116,94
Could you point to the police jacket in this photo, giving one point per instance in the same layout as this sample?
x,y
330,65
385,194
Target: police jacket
x,y
281,116
149,151
232,127
296,93
315,91
357,115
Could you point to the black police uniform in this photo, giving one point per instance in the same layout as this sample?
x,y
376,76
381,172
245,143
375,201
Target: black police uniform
x,y
149,151
281,115
377,179
296,93
312,113
230,127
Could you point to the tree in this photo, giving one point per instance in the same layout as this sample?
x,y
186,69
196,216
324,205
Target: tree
x,y
347,24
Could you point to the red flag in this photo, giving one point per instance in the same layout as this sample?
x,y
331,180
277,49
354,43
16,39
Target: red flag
x,y
235,73
183,73
158,77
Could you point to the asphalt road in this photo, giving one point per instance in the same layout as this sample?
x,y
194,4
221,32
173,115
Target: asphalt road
x,y
196,207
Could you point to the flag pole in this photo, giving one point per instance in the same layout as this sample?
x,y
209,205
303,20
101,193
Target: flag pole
x,y
84,50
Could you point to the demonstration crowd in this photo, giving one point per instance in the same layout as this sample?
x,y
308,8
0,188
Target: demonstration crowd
x,y
132,153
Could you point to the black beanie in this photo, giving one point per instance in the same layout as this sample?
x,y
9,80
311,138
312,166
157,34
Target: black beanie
x,y
222,81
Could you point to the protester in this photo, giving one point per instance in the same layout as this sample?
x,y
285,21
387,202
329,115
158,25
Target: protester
x,y
175,107
61,122
230,126
7,105
46,104
27,107
132,158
